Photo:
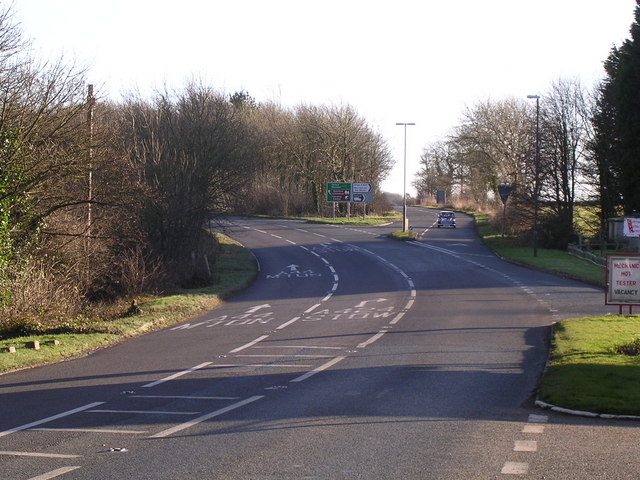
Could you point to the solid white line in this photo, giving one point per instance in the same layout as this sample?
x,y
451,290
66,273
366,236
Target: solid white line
x,y
286,324
321,368
55,473
89,430
377,336
49,419
176,375
183,397
195,421
250,344
144,412
37,454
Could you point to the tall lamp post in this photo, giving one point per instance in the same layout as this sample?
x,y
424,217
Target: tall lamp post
x,y
404,179
536,185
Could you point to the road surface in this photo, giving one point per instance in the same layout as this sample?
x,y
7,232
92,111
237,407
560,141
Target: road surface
x,y
351,357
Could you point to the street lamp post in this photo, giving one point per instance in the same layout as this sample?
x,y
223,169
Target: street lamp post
x,y
404,179
536,185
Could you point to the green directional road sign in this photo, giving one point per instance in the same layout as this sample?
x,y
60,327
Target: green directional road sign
x,y
338,192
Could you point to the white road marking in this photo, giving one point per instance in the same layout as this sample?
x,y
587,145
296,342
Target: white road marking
x,y
183,397
258,307
515,468
261,365
176,375
55,473
143,412
312,308
286,324
89,430
533,429
533,418
250,344
283,355
525,446
321,368
208,416
49,419
301,347
37,454
376,337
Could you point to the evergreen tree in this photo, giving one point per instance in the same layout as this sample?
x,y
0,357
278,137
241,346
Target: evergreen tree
x,y
624,66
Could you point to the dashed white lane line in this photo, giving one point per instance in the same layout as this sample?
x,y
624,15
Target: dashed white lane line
x,y
535,424
533,418
372,339
37,454
143,412
183,397
319,369
50,419
56,473
525,446
533,429
176,375
286,324
208,416
250,344
90,430
515,468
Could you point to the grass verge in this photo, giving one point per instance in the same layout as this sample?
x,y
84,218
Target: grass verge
x,y
586,371
235,270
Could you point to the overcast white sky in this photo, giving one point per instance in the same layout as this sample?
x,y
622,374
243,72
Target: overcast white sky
x,y
417,61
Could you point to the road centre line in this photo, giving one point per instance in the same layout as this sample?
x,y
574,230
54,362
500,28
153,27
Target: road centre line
x,y
312,308
374,338
250,344
176,375
208,416
301,347
286,324
50,419
319,369
143,412
56,473
285,355
37,454
183,397
89,430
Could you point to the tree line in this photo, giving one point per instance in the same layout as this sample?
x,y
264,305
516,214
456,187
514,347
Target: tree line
x,y
102,200
570,145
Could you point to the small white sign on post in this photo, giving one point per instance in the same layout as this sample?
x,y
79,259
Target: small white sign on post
x,y
631,227
623,279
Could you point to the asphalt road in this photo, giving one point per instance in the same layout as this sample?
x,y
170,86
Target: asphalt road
x,y
351,357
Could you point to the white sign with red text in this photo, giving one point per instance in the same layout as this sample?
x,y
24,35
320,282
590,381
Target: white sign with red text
x,y
623,279
631,227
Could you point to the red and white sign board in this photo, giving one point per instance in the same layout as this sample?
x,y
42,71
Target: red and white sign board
x,y
623,279
631,227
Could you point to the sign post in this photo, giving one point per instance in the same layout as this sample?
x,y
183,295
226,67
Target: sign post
x,y
504,190
623,280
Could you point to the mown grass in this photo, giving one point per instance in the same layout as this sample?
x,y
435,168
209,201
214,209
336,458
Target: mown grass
x,y
587,373
235,270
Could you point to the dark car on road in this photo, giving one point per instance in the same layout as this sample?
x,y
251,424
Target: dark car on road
x,y
446,219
